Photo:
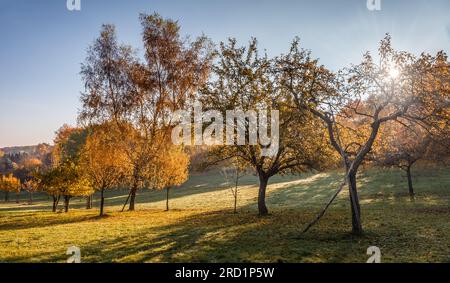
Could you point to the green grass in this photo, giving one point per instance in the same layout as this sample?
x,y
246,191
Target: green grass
x,y
202,228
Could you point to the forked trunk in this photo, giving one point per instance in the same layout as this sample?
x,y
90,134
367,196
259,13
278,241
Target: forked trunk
x,y
262,208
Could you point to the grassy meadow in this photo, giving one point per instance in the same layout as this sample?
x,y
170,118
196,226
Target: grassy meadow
x,y
201,227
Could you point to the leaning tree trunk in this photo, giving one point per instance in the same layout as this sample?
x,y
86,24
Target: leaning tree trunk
x,y
66,203
167,198
126,201
262,208
354,203
410,183
102,201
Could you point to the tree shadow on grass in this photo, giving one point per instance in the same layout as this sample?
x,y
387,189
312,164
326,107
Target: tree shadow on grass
x,y
27,221
221,236
403,234
207,237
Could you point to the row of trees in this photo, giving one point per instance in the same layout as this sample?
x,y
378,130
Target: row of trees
x,y
86,160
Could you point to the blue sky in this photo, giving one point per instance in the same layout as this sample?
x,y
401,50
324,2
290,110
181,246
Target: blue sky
x,y
42,43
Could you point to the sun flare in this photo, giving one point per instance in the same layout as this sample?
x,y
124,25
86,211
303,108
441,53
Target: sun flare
x,y
393,71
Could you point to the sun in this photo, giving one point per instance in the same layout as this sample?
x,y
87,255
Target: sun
x,y
393,71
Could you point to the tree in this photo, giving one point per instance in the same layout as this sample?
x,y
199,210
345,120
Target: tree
x,y
243,82
8,184
232,175
25,172
7,165
44,154
366,96
170,170
69,143
103,161
30,186
137,98
48,181
407,143
65,180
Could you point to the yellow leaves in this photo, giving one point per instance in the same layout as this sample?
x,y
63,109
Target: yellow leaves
x,y
102,158
32,163
171,168
65,179
9,183
110,159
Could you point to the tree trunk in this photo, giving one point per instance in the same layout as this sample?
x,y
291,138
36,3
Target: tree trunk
x,y
167,198
6,196
55,203
132,197
31,198
354,203
262,208
102,201
235,193
66,203
18,197
410,183
89,202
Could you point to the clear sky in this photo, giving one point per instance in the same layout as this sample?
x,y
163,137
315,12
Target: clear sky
x,y
42,43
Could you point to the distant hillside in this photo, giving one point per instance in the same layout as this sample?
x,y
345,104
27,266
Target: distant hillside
x,y
31,149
